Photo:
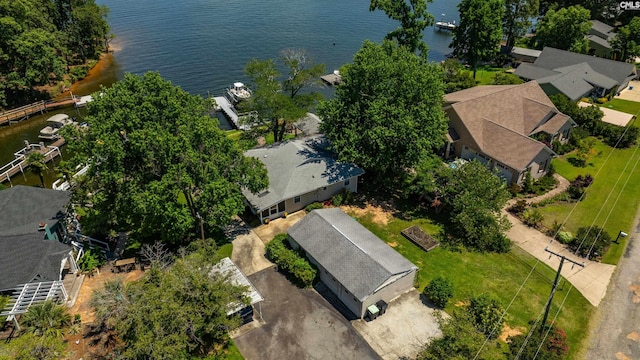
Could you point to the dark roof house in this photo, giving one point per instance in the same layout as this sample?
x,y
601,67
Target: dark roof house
x,y
30,249
301,171
353,262
577,75
509,127
599,37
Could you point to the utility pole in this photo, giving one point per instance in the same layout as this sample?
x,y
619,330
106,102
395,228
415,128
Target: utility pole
x,y
555,283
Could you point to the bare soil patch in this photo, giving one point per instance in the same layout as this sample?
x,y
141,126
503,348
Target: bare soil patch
x,y
393,244
508,332
380,215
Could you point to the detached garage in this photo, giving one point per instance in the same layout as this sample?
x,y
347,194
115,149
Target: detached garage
x,y
354,263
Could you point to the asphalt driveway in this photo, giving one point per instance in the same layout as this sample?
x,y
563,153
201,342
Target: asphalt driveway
x,y
299,324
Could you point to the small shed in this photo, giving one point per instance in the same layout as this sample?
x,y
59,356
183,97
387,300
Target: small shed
x,y
353,262
227,267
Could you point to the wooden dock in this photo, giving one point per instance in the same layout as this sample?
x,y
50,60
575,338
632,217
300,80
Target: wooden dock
x,y
230,111
332,79
24,112
18,164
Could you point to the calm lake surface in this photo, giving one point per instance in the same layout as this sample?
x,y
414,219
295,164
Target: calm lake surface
x,y
204,45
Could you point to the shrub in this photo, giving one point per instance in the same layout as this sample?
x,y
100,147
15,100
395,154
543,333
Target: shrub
x,y
564,237
544,184
602,100
291,262
514,188
519,207
487,313
91,259
439,291
347,197
590,242
527,184
313,206
337,199
555,346
532,217
579,185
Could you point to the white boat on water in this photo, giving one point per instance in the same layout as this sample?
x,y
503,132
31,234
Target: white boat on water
x,y
238,92
83,100
446,25
54,124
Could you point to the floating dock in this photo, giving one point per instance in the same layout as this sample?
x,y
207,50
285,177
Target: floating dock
x,y
332,79
18,164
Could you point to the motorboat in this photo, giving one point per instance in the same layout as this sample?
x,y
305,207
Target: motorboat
x,y
54,124
238,92
446,25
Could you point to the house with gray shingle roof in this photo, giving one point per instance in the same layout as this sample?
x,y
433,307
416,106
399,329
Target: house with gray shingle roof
x,y
30,234
577,75
599,38
507,127
301,171
358,267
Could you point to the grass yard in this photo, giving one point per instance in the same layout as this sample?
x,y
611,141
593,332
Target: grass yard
x,y
225,250
485,74
600,205
232,352
499,275
629,107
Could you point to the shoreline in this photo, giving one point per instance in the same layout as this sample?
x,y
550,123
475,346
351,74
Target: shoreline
x,y
102,73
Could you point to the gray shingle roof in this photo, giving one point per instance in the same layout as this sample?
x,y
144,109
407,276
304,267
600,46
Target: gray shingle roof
x,y
601,30
24,254
353,255
577,81
297,167
554,58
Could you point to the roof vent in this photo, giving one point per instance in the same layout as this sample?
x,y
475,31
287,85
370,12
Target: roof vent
x,y
265,155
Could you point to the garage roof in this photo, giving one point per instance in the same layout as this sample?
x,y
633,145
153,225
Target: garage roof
x,y
353,255
237,278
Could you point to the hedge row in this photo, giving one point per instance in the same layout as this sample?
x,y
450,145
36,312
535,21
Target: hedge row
x,y
291,262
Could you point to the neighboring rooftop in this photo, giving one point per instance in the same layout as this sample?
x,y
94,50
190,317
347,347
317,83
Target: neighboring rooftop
x,y
353,255
237,278
22,208
296,167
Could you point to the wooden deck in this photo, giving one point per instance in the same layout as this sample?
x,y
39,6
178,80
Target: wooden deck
x,y
20,162
22,112
331,79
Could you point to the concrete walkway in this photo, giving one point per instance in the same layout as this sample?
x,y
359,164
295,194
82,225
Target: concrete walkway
x,y
611,116
591,281
631,94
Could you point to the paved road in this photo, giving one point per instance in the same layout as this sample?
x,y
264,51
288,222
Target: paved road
x,y
618,334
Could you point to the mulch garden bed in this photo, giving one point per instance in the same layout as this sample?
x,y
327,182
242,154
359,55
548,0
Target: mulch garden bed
x,y
420,238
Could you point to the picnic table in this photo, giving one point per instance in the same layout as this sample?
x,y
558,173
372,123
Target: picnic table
x,y
125,265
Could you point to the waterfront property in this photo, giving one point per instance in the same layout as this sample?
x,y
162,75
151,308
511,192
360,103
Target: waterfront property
x,y
599,37
31,231
577,75
19,163
508,127
301,171
358,267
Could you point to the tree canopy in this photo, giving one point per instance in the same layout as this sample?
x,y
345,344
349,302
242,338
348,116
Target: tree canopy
x,y
564,29
39,40
516,19
281,102
177,312
158,163
413,18
626,43
387,113
478,36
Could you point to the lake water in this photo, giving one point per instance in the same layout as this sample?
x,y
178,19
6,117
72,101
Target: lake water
x,y
204,45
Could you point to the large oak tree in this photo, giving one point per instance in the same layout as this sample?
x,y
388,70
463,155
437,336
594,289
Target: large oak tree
x,y
387,113
564,29
158,163
413,18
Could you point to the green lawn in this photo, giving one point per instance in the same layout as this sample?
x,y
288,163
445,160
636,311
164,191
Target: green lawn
x,y
602,195
499,275
629,107
225,250
484,75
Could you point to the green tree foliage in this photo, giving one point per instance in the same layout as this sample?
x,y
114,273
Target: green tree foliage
x,y
626,43
564,29
37,165
517,19
478,36
456,78
280,103
474,199
173,313
387,114
413,18
503,78
439,291
291,262
487,314
591,242
30,346
548,345
91,259
158,163
39,40
460,339
46,319
604,10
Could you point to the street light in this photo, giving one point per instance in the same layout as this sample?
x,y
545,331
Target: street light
x,y
621,234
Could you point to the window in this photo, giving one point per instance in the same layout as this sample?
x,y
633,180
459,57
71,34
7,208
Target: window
x,y
543,166
273,210
265,213
347,182
281,206
296,199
